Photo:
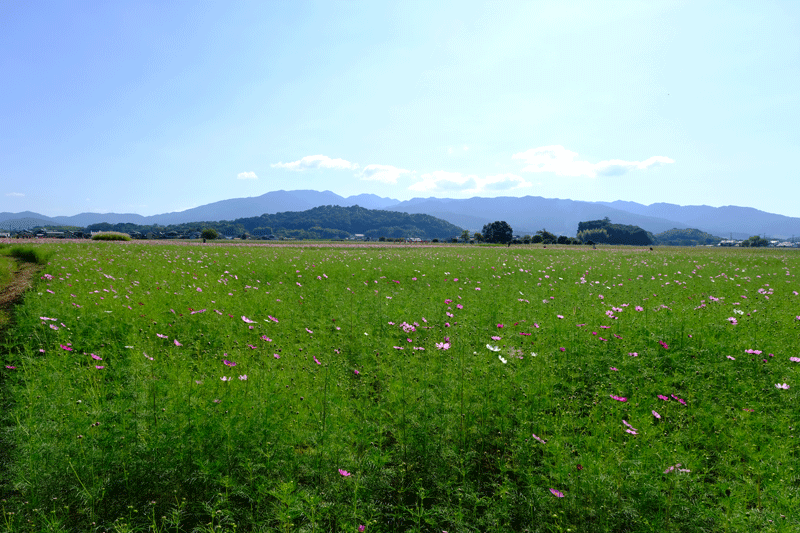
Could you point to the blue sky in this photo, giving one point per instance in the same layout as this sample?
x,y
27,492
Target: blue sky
x,y
151,107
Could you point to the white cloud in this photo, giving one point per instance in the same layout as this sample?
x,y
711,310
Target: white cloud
x,y
502,182
562,162
247,176
441,180
384,173
17,194
316,161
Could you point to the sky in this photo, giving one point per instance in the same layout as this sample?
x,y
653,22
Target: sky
x,y
153,107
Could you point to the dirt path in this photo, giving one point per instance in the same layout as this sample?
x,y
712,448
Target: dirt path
x,y
11,293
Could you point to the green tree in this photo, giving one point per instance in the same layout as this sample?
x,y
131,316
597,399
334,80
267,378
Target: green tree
x,y
755,241
478,236
209,234
547,237
498,231
465,235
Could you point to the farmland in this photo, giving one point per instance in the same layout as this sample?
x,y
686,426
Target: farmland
x,y
403,388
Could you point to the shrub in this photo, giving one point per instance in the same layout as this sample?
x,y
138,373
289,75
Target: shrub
x,y
31,254
111,236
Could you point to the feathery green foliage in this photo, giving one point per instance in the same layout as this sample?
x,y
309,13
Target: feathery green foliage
x,y
426,388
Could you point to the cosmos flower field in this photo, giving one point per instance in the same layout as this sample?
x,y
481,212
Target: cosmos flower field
x,y
180,388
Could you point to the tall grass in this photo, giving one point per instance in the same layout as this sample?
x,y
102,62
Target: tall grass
x,y
190,388
30,253
111,236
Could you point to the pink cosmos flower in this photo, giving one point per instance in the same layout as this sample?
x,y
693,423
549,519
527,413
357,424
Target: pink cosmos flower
x,y
247,320
680,400
159,335
732,358
784,386
344,473
356,372
243,378
556,493
316,360
618,398
656,414
228,363
496,338
539,439
96,357
102,367
615,369
177,343
65,347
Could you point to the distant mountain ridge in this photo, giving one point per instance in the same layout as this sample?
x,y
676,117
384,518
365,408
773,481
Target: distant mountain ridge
x,y
526,215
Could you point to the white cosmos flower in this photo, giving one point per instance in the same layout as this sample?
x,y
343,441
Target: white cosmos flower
x,y
493,348
533,354
501,359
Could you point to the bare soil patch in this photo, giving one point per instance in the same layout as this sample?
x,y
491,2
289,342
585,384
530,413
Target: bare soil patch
x,y
11,293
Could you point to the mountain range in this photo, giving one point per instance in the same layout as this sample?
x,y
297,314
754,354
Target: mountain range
x,y
525,215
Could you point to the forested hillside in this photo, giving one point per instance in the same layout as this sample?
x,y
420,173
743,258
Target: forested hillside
x,y
325,222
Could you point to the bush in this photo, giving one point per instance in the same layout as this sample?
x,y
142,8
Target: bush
x,y
111,236
209,233
31,254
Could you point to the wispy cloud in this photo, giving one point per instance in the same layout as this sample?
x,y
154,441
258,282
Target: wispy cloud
x,y
563,162
247,176
502,182
16,194
310,162
384,173
442,181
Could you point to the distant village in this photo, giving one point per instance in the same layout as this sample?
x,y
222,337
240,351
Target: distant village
x,y
158,235
44,233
